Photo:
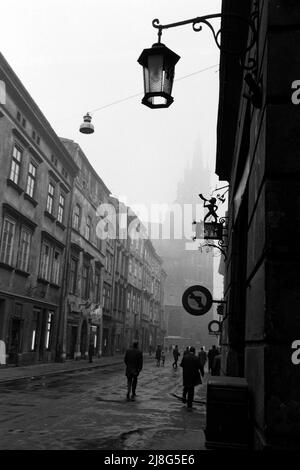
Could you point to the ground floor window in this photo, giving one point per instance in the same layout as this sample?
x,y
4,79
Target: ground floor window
x,y
49,325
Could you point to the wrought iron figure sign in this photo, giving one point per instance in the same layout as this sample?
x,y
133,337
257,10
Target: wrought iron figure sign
x,y
211,205
212,229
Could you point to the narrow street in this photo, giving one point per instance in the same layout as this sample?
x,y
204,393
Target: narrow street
x,y
87,410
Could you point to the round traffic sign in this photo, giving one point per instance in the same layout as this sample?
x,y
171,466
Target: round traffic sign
x,y
197,300
211,327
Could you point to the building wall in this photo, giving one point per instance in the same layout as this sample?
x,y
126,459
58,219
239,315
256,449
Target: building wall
x,y
86,261
33,234
263,258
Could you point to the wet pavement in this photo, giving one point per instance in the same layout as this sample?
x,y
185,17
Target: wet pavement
x,y
86,409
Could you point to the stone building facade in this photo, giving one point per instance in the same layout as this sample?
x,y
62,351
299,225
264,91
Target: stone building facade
x,y
87,260
257,152
36,185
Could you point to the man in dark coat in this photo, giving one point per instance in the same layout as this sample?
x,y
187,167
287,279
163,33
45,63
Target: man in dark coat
x,y
191,366
134,364
211,355
158,355
202,356
176,355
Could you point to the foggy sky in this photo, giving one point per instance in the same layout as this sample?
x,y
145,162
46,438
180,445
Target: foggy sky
x,y
80,55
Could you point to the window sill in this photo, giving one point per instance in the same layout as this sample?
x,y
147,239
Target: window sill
x,y
6,266
50,216
22,273
42,281
30,199
55,286
14,185
60,225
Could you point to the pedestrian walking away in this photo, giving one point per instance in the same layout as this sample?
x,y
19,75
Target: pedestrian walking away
x,y
216,365
191,367
134,364
91,351
211,355
158,355
163,358
202,357
176,355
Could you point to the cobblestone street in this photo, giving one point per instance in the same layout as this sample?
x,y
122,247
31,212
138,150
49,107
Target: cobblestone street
x,y
87,409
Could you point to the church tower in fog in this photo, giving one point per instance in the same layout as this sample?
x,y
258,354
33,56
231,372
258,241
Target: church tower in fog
x,y
185,265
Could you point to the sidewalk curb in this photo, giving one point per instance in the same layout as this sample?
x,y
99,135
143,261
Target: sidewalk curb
x,y
61,371
57,372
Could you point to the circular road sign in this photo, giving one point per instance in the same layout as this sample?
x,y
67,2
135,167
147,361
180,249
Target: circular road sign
x,y
197,300
214,330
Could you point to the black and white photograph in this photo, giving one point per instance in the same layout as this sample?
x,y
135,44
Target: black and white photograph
x,y
149,228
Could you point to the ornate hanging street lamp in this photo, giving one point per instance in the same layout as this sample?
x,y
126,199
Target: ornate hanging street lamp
x,y
159,61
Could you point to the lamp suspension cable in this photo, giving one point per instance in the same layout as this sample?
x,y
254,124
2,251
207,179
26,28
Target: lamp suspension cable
x,y
140,93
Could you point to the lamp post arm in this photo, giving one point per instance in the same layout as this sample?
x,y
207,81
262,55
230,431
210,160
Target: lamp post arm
x,y
196,22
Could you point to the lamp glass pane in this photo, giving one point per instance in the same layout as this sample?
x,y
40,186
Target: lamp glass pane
x,y
146,80
168,80
155,65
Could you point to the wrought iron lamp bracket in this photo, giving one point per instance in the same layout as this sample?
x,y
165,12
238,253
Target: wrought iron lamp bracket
x,y
198,21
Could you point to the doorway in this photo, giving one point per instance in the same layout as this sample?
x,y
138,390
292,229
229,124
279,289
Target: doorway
x,y
83,339
15,340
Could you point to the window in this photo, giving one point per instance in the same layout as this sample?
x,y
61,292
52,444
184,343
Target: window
x,y
50,316
88,227
50,198
128,300
15,164
108,298
76,217
54,160
7,241
61,208
45,261
24,249
56,267
104,296
85,288
135,269
31,177
34,326
108,262
97,285
64,173
99,243
121,299
24,122
73,275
